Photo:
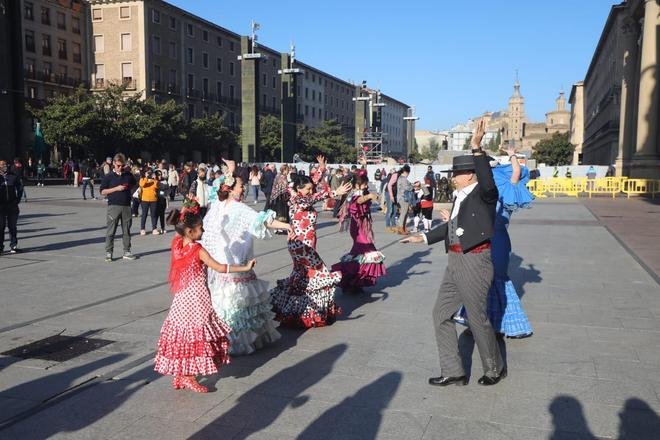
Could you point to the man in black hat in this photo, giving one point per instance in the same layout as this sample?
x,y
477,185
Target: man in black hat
x,y
469,271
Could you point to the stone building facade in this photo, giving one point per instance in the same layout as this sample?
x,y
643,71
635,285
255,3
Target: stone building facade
x,y
576,126
621,92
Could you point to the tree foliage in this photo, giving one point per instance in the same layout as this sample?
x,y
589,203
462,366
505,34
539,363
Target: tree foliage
x,y
270,137
209,134
554,151
328,140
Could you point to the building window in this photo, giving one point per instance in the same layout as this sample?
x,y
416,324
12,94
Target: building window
x,y
205,86
157,75
28,11
48,70
219,65
264,79
231,69
306,93
320,100
63,72
97,14
30,64
191,111
191,82
156,45
45,16
61,49
231,46
45,45
219,41
155,16
77,53
263,100
274,83
61,20
172,80
127,74
205,60
190,30
306,110
313,112
173,23
75,25
99,43
205,35
218,86
126,43
231,92
99,73
274,103
313,95
190,56
29,41
172,50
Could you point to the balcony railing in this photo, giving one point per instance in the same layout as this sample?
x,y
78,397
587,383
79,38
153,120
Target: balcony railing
x,y
62,54
45,50
129,83
52,78
99,83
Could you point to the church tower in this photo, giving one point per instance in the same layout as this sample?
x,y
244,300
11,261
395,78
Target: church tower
x,y
559,119
516,116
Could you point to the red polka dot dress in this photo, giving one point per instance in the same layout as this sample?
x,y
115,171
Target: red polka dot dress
x,y
307,297
193,340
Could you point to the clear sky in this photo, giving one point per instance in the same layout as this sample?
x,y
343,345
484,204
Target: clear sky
x,y
453,59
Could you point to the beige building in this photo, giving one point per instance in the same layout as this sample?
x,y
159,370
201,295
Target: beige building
x,y
556,121
576,126
424,138
622,94
516,117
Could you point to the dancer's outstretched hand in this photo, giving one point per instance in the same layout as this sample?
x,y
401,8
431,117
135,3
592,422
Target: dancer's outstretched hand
x,y
418,238
231,165
250,264
344,189
321,160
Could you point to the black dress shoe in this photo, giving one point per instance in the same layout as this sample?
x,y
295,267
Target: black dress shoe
x,y
444,381
488,380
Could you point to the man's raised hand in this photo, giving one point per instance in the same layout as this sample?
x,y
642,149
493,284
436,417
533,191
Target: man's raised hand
x,y
479,134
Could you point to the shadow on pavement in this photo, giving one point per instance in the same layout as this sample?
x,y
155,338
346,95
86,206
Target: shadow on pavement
x,y
521,275
75,231
357,416
260,406
402,270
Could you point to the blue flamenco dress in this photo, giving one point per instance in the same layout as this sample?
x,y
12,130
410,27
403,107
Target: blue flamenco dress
x,y
505,312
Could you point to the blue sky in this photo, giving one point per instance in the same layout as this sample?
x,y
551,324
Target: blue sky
x,y
452,59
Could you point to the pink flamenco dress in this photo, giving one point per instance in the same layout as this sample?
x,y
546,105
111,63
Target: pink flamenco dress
x,y
307,297
193,340
364,264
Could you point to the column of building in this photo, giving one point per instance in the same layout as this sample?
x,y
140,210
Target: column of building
x,y
629,94
249,101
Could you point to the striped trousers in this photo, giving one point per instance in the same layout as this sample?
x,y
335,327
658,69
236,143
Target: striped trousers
x,y
466,281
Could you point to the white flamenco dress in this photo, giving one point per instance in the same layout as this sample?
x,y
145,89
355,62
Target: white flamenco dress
x,y
240,299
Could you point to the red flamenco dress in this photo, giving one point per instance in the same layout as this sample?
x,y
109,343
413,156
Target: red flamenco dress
x,y
307,298
193,340
363,265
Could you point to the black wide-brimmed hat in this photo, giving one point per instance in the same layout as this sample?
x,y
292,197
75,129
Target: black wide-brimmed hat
x,y
463,163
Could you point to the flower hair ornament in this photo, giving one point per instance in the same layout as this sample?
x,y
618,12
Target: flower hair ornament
x,y
190,204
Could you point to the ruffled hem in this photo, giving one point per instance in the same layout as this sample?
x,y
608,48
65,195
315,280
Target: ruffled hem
x,y
505,311
190,366
315,308
244,342
238,293
247,318
359,275
374,257
512,196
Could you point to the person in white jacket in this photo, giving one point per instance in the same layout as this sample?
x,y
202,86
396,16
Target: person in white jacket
x,y
172,181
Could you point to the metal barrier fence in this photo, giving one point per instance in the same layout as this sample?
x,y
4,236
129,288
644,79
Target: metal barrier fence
x,y
603,185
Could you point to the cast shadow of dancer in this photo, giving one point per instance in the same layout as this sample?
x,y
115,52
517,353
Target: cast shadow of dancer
x,y
568,419
75,410
260,406
401,270
358,416
638,421
520,275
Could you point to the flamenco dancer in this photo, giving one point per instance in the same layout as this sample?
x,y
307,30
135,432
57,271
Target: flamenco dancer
x,y
241,300
193,340
363,265
307,298
505,312
279,197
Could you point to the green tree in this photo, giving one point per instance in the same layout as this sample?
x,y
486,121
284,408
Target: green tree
x,y
270,137
555,151
211,136
329,140
432,152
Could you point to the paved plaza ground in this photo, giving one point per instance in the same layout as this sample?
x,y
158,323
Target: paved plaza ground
x,y
591,370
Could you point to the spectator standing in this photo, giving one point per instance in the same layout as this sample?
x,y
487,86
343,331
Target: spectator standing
x,y
10,196
148,201
107,167
76,173
41,173
88,172
391,202
200,191
161,204
405,198
117,185
172,181
267,183
19,171
255,182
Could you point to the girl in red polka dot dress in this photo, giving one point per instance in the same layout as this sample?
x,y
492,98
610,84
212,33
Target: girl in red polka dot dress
x,y
193,340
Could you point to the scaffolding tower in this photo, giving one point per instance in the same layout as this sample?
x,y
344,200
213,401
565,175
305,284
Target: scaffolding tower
x,y
369,127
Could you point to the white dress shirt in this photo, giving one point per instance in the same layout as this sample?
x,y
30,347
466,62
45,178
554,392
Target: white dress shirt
x,y
459,197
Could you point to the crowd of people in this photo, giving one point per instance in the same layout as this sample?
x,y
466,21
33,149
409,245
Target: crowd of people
x,y
221,308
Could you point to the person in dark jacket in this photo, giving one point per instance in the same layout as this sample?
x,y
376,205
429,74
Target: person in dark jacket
x,y
11,188
88,171
469,272
117,186
268,178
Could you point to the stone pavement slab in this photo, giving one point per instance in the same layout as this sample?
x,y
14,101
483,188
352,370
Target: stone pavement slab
x,y
589,371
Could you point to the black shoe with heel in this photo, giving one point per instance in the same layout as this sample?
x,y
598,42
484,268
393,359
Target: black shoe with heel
x,y
444,381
